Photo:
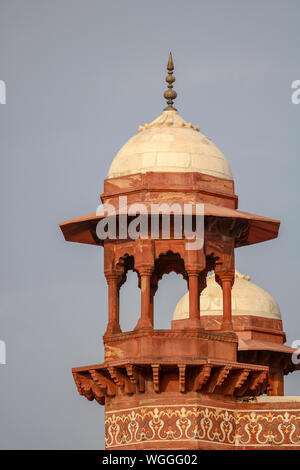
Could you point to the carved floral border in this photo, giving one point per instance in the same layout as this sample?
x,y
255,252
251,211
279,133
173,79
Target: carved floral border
x,y
207,424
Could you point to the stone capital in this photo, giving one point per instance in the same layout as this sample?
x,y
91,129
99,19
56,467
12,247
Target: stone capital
x,y
224,276
145,269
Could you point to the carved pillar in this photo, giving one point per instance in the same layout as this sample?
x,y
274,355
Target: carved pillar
x,y
194,300
195,262
144,265
196,284
146,318
226,280
224,272
113,281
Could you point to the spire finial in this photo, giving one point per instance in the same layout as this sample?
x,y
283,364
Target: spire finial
x,y
170,94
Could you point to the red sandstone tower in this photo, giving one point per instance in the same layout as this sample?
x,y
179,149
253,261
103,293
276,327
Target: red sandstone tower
x,y
196,385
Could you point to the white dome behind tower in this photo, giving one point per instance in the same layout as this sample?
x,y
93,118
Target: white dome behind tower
x,y
170,144
247,299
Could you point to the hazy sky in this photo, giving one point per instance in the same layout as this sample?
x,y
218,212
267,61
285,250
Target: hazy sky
x,y
81,77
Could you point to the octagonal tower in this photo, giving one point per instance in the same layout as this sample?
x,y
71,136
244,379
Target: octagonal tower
x,y
160,386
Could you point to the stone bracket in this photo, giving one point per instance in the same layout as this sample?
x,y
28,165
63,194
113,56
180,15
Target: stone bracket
x,y
106,385
202,377
235,381
155,370
88,388
182,371
121,381
258,380
219,374
136,377
212,377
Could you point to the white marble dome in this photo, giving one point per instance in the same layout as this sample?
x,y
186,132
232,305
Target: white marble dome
x,y
170,144
247,299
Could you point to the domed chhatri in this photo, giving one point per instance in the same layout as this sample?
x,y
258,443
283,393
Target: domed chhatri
x,y
169,160
225,345
170,144
246,299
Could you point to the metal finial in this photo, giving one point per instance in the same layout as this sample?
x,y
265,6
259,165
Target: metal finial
x,y
170,94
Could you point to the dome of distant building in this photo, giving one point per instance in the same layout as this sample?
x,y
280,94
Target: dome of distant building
x,y
170,144
247,299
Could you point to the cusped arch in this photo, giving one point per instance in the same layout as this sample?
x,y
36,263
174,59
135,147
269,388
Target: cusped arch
x,y
168,262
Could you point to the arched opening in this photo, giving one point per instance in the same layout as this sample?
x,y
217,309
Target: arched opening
x,y
170,271
130,302
170,290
